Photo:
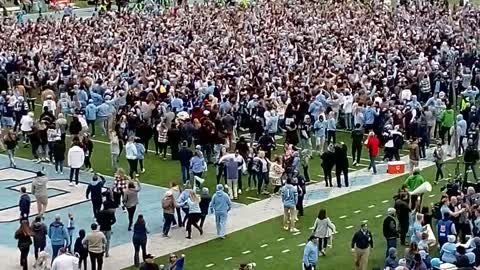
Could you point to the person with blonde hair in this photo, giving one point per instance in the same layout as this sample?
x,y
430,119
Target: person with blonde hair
x,y
194,212
261,168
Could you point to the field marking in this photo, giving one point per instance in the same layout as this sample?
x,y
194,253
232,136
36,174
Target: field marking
x,y
378,216
268,257
362,165
342,217
228,258
286,251
311,228
364,159
280,239
349,227
371,206
365,221
385,201
264,245
357,211
209,265
246,252
431,195
253,198
301,244
297,233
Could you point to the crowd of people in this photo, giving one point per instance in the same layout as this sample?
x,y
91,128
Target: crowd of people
x,y
224,81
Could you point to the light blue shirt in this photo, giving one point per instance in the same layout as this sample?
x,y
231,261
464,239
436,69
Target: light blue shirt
x,y
221,202
417,229
319,128
310,254
91,112
289,196
369,114
331,124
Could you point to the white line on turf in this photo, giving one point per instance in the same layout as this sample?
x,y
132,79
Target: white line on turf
x,y
286,251
264,245
209,265
349,227
431,195
311,228
268,257
342,217
253,198
297,233
378,216
385,201
371,206
301,244
246,252
280,239
365,221
357,211
228,258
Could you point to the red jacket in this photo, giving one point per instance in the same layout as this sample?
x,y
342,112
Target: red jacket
x,y
373,145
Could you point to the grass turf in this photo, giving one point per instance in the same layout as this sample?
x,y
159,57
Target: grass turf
x,y
287,254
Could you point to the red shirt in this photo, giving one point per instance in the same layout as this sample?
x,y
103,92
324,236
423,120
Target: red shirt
x,y
373,145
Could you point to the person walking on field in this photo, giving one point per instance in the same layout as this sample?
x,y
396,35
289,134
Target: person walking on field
x,y
289,199
39,190
194,212
390,229
362,242
323,229
76,158
58,236
95,242
373,146
131,154
94,191
24,237
169,205
220,206
130,200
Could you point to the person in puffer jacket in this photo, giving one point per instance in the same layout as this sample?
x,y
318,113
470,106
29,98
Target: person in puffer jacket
x,y
289,199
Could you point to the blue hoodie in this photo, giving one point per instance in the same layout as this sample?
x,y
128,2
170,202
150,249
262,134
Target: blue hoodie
x,y
369,115
449,252
58,234
103,110
319,127
91,111
221,202
197,164
310,254
289,196
462,125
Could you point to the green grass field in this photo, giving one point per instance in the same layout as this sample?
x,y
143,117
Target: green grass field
x,y
287,253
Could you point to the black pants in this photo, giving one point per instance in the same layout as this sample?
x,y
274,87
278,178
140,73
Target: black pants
x,y
445,131
131,214
311,267
414,199
306,173
82,261
117,198
91,123
439,173
356,152
35,150
179,217
322,243
74,171
87,162
220,173
97,206
162,147
37,249
328,176
168,220
331,136
403,231
23,257
96,259
133,166
140,162
193,219
338,173
300,205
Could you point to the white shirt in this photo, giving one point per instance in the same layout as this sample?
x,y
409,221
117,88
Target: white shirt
x,y
26,123
65,262
51,105
347,105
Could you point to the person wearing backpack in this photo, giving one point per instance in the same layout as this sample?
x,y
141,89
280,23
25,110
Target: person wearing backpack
x,y
445,227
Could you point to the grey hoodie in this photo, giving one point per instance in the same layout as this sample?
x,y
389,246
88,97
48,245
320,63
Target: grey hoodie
x,y
39,187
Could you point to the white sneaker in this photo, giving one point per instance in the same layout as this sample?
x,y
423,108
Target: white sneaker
x,y
61,172
354,163
37,161
76,185
285,228
137,175
240,192
70,184
143,171
294,230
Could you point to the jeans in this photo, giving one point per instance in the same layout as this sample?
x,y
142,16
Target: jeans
x,y
348,120
75,171
356,152
96,259
391,243
37,249
137,245
114,162
262,178
108,235
59,165
439,173
91,123
331,136
372,164
185,173
104,123
96,206
55,249
168,220
133,166
11,157
221,221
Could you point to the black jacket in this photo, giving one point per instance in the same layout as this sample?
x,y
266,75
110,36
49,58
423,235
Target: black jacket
x,y
390,228
105,219
341,158
59,150
471,155
357,137
184,156
95,190
328,160
362,240
40,232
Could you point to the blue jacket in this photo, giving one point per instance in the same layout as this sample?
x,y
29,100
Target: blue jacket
x,y
58,234
83,97
369,115
193,207
103,110
97,98
319,128
310,254
140,151
91,111
177,103
289,196
221,202
197,164
449,253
